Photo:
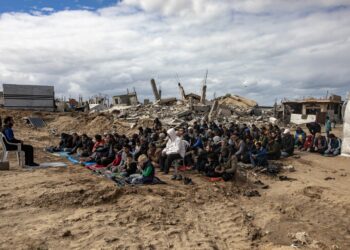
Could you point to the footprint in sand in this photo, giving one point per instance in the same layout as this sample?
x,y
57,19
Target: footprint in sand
x,y
313,192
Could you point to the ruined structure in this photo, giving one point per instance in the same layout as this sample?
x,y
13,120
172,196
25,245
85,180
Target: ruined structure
x,y
127,99
312,109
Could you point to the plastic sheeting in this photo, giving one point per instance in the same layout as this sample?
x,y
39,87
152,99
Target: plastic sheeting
x,y
346,132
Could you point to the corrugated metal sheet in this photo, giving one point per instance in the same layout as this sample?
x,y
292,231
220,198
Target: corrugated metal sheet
x,y
29,97
36,122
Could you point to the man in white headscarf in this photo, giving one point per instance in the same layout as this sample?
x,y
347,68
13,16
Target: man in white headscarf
x,y
175,149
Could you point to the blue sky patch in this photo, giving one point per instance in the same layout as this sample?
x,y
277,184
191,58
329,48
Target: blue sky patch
x,y
52,5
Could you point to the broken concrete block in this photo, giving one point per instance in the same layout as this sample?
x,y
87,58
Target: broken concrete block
x,y
213,110
167,101
184,113
301,238
4,165
289,168
224,112
273,120
201,108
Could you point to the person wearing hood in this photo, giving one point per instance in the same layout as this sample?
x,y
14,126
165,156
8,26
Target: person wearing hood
x,y
175,149
287,144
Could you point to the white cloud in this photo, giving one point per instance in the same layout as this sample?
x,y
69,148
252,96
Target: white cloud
x,y
260,49
47,9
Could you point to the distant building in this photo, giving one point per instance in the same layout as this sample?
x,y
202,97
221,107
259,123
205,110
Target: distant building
x,y
127,99
312,109
33,97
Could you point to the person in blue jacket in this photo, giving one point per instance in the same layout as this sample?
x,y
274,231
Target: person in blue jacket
x,y
10,137
258,157
299,138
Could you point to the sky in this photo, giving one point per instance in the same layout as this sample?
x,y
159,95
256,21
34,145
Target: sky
x,y
265,50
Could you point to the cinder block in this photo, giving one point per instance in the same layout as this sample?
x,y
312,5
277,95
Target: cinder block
x,y
5,165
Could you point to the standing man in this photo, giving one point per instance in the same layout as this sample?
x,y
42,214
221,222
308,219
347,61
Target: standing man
x,y
28,149
328,126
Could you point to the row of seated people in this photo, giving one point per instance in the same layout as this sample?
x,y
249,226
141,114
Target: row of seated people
x,y
212,149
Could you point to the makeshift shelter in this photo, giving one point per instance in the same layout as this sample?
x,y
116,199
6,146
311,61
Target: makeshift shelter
x,y
346,132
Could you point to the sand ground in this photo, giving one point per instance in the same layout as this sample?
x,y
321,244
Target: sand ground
x,y
74,209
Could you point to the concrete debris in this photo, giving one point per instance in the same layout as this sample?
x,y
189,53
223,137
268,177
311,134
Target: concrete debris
x,y
190,108
301,239
155,90
96,107
212,113
239,101
174,113
289,168
273,120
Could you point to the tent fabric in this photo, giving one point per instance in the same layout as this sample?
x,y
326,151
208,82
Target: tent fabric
x,y
346,132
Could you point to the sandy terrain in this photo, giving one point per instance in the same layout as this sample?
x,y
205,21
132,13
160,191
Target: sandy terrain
x,y
74,209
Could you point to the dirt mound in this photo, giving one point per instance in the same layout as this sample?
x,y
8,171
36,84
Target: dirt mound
x,y
99,124
327,222
78,197
64,124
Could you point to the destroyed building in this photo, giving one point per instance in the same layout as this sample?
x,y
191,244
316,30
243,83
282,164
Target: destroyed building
x,y
236,100
312,109
34,97
126,99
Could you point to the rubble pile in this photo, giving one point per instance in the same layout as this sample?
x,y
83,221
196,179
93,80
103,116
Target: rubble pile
x,y
172,112
178,113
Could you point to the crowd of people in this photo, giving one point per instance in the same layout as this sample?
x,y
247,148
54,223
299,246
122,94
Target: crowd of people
x,y
212,149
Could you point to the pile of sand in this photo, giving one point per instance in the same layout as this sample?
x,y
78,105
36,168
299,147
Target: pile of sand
x,y
66,124
90,124
99,124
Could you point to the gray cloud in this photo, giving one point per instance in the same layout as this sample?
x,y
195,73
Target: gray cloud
x,y
260,49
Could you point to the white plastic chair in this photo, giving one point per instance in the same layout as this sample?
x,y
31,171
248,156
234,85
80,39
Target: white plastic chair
x,y
177,163
19,152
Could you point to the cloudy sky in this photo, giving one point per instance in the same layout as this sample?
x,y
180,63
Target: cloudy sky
x,y
261,49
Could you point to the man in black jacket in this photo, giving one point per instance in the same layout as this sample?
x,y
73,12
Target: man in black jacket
x,y
28,149
314,128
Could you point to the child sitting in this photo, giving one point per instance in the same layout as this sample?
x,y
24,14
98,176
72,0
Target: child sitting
x,y
210,166
130,166
146,170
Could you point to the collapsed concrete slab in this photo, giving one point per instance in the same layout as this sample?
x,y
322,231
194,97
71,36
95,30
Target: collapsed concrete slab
x,y
237,101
